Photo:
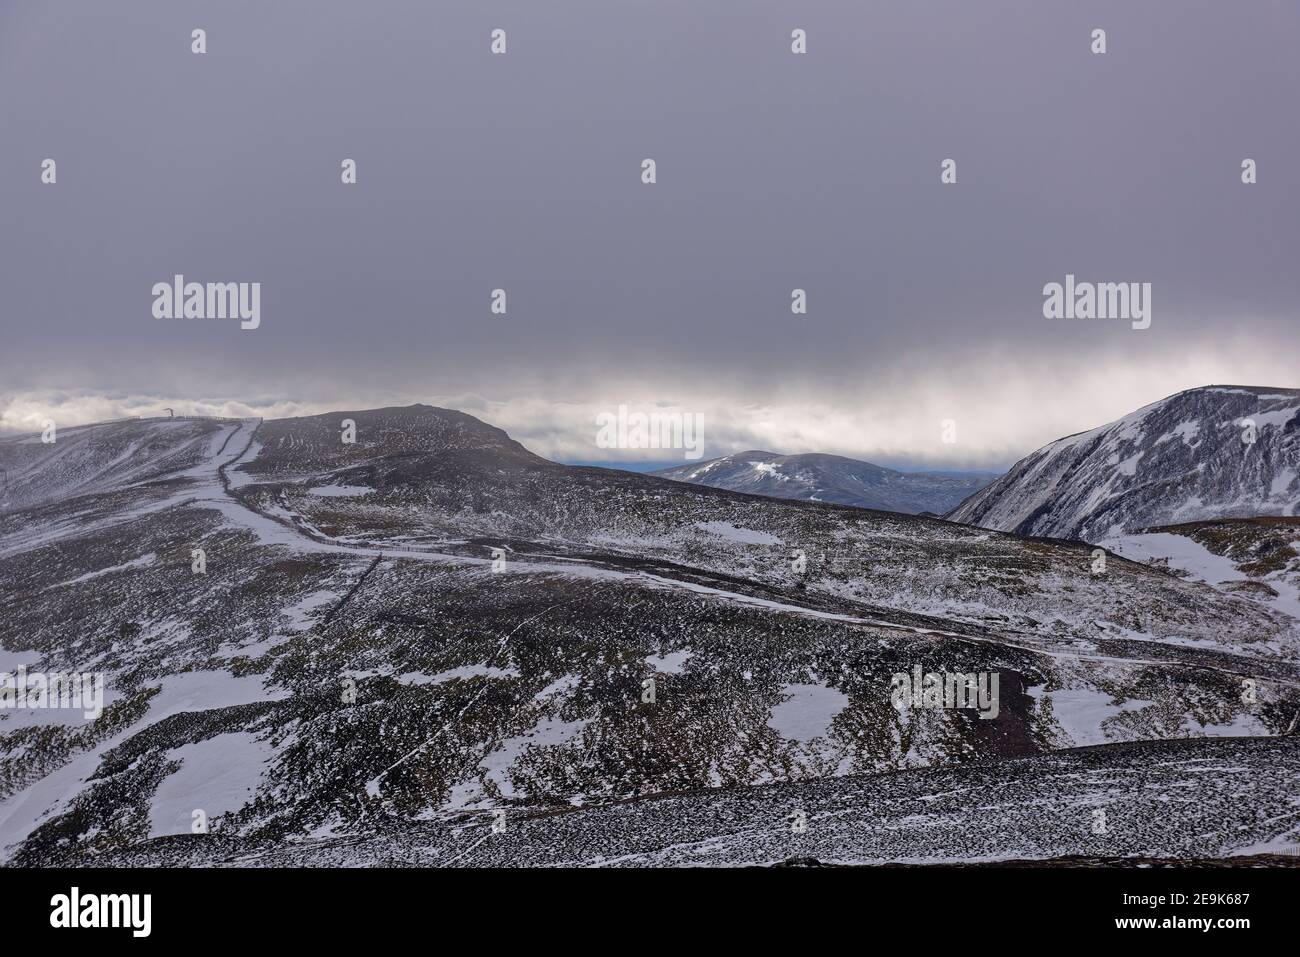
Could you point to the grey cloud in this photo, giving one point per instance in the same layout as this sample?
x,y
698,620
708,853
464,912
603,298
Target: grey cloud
x,y
775,171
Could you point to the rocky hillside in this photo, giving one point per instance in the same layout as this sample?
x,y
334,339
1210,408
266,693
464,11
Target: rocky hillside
x,y
1212,452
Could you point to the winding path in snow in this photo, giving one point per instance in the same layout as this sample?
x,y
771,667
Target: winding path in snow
x,y
295,534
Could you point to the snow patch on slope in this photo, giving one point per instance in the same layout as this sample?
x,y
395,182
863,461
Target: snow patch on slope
x,y
216,776
807,711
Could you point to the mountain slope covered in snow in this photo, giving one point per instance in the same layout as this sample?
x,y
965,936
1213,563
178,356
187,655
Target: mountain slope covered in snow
x,y
64,463
1211,452
417,630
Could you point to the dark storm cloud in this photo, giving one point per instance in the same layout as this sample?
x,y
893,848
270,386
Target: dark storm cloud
x,y
775,171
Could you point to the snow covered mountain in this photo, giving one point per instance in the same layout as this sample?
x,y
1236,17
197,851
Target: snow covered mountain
x,y
390,641
98,458
1211,452
832,478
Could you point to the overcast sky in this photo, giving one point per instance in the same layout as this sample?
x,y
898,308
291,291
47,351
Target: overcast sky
x,y
775,171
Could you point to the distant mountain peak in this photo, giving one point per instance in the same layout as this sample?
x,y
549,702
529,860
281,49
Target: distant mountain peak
x,y
821,477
